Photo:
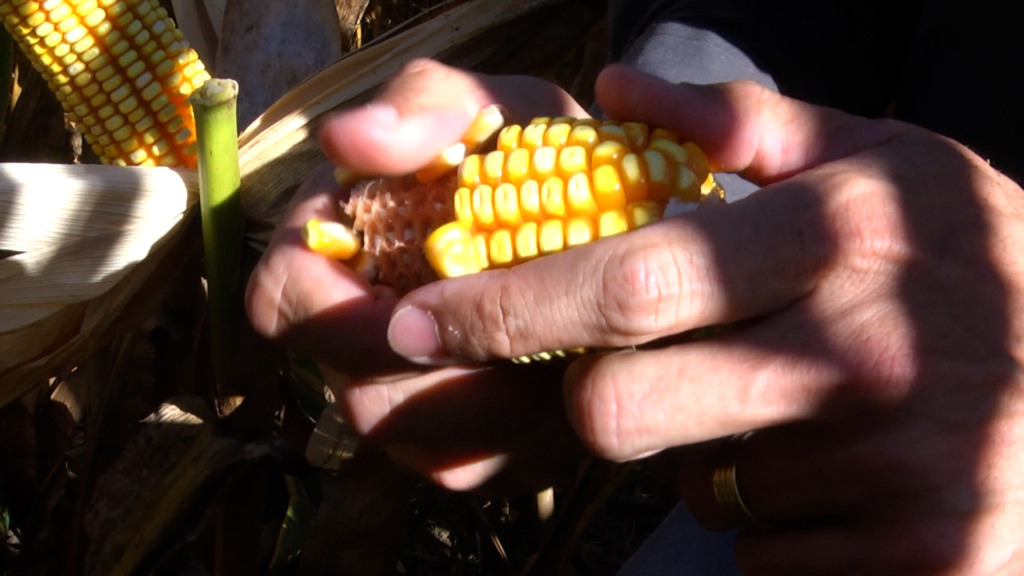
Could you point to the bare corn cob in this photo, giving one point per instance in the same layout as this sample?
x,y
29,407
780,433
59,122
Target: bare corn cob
x,y
121,70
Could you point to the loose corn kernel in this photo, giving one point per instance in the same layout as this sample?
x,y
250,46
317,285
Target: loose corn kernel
x,y
557,183
112,64
332,239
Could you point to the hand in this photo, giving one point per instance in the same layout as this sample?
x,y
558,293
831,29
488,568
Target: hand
x,y
872,290
460,425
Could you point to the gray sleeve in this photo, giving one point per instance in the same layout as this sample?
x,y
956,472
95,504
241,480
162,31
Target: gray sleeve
x,y
679,52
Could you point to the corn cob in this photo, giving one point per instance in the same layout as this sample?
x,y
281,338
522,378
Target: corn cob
x,y
554,184
121,70
547,186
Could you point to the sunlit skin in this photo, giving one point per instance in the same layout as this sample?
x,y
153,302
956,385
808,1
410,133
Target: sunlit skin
x,y
874,289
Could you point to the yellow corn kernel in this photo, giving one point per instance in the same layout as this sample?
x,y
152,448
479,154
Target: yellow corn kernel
x,y
526,240
508,137
470,171
493,168
583,135
463,203
663,134
557,134
332,239
544,163
453,247
552,198
533,135
482,202
529,201
634,178
643,213
611,131
506,206
551,236
517,166
579,230
573,160
608,152
579,196
111,64
487,123
613,222
660,175
499,247
608,193
637,134
482,258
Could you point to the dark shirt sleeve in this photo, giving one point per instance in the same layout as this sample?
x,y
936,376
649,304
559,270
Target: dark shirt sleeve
x,y
957,72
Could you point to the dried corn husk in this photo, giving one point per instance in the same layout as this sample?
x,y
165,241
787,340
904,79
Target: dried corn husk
x,y
85,237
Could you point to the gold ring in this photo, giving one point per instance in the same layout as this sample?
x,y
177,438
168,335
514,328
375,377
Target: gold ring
x,y
727,491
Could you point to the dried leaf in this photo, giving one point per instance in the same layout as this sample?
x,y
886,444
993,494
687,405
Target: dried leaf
x,y
332,442
180,463
280,62
361,519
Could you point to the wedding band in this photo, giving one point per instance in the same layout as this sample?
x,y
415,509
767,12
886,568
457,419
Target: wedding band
x,y
727,491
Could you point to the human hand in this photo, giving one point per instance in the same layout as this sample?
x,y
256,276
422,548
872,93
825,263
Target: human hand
x,y
872,288
459,425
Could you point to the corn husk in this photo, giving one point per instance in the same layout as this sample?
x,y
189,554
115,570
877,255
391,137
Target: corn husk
x,y
85,237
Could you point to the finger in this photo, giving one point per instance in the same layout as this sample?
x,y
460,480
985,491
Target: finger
x,y
742,126
713,266
628,404
426,108
296,297
467,426
799,474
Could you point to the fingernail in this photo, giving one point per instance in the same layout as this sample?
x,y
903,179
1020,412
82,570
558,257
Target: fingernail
x,y
413,334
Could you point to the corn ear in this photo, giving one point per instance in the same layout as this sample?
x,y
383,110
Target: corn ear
x,y
558,183
121,70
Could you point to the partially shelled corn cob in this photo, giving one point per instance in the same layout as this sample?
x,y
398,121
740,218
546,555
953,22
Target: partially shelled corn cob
x,y
558,183
121,70
548,186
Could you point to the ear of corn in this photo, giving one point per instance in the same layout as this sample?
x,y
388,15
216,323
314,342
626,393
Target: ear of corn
x,y
548,186
558,183
121,70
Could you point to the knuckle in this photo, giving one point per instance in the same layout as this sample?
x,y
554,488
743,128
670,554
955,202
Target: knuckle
x,y
597,409
262,303
491,324
644,291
